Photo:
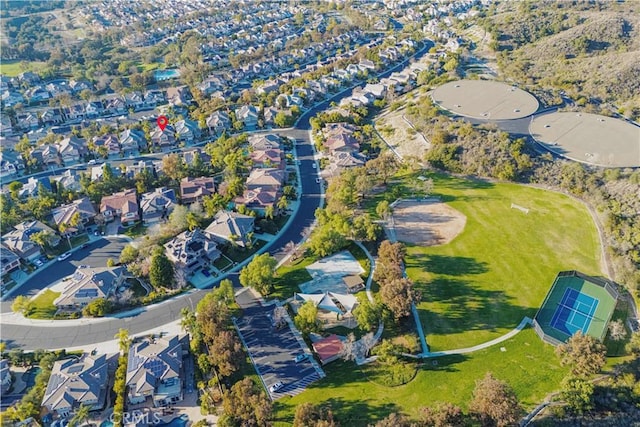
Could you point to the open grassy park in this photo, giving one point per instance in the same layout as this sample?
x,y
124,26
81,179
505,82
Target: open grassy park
x,y
527,364
13,68
498,270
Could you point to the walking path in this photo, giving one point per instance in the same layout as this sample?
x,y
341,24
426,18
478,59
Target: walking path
x,y
526,321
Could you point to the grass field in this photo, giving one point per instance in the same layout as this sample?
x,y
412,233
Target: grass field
x,y
528,365
42,306
499,269
13,68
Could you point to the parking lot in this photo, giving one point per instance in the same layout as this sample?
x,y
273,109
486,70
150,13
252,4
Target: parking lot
x,y
273,351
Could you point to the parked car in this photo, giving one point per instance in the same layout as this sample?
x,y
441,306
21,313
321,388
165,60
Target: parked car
x,y
84,246
38,263
277,386
301,357
313,165
64,256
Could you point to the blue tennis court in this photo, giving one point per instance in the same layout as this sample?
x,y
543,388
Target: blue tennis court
x,y
574,312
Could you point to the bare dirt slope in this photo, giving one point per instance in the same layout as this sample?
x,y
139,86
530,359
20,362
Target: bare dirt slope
x,y
426,223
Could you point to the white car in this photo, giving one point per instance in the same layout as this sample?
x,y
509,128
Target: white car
x,y
301,357
313,165
64,256
38,263
277,386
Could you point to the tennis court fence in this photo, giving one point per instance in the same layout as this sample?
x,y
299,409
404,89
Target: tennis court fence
x,y
606,284
543,336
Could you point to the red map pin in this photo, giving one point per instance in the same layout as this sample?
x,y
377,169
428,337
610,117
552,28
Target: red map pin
x,y
162,122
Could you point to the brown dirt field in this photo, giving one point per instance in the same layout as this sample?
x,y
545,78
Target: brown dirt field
x,y
427,223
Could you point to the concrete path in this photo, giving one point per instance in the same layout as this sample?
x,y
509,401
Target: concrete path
x,y
526,321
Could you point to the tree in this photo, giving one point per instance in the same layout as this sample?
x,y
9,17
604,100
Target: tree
x,y
161,270
245,405
129,254
81,415
305,319
494,402
585,354
42,238
633,346
310,415
398,295
111,262
442,415
393,420
97,308
192,221
123,340
224,292
178,218
384,166
389,264
268,212
173,166
577,392
326,240
366,314
383,210
225,353
21,304
259,273
617,331
283,203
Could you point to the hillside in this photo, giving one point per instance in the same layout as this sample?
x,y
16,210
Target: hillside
x,y
587,53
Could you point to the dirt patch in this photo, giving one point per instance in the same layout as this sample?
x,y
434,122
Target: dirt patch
x,y
426,223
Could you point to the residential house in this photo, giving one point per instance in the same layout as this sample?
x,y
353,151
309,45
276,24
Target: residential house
x,y
187,131
72,150
342,142
272,158
367,64
58,88
27,121
75,113
194,189
248,115
69,180
107,145
52,117
19,240
153,98
8,260
228,226
377,90
5,376
157,205
341,160
115,106
11,162
192,250
124,204
163,139
155,370
66,215
94,109
75,382
189,156
135,100
132,141
37,94
270,114
267,141
6,127
33,185
78,86
179,95
150,166
11,98
88,284
28,78
218,122
267,177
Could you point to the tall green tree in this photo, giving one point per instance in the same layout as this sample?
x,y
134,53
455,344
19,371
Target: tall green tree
x,y
583,353
259,273
495,403
161,274
305,319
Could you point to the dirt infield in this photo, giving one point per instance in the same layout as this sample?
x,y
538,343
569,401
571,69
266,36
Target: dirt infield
x,y
589,138
485,99
426,223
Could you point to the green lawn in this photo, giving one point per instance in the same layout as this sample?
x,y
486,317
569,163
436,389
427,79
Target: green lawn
x,y
42,307
501,266
290,276
528,365
13,68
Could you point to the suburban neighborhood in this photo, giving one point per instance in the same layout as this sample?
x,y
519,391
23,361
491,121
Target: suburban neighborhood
x,y
325,213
